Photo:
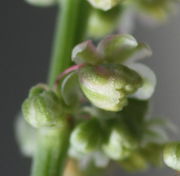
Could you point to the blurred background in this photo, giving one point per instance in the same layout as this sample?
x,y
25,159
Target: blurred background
x,y
25,44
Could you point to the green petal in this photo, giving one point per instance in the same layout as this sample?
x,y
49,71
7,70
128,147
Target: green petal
x,y
86,53
120,48
70,89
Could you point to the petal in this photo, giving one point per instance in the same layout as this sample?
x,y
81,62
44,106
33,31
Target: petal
x,y
114,43
141,51
149,79
70,89
120,48
85,53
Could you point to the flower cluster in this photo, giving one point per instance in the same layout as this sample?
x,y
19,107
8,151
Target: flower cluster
x,y
107,98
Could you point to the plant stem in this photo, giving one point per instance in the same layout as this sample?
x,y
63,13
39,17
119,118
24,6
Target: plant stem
x,y
71,26
53,143
50,156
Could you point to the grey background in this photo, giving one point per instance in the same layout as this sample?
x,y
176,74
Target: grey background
x,y
25,42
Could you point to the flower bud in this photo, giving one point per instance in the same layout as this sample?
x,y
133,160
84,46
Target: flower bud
x,y
104,4
102,23
42,3
172,155
107,86
120,143
42,108
87,136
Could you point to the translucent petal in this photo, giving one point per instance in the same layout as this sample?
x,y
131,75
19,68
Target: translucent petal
x,y
149,78
140,52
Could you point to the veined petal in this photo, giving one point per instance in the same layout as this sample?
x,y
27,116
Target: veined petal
x,y
149,81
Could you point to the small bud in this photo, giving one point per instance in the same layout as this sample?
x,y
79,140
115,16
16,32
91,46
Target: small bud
x,y
104,4
102,23
172,155
120,143
107,86
42,3
42,108
87,136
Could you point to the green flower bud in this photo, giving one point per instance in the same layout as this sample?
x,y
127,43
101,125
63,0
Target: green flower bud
x,y
172,155
104,4
102,23
120,143
42,108
87,136
107,86
42,3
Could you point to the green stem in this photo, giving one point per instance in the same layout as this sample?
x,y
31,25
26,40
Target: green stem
x,y
50,156
71,27
53,143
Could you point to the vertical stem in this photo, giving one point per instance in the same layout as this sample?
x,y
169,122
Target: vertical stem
x,y
50,156
53,143
71,25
